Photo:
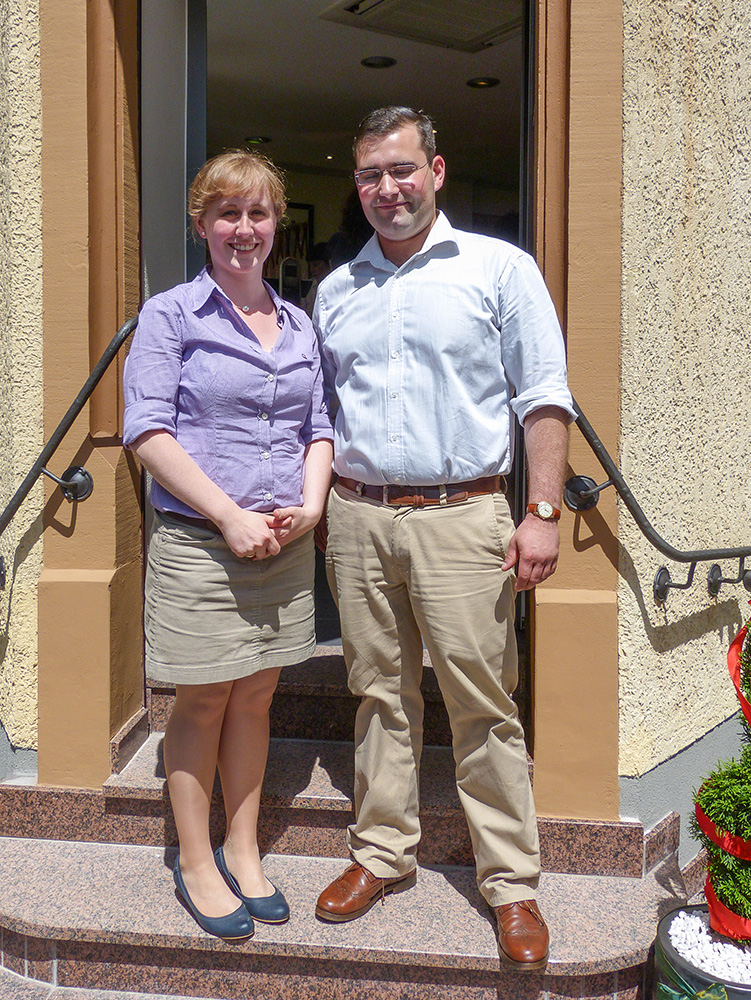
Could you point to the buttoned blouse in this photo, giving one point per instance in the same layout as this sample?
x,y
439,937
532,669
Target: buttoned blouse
x,y
243,414
428,361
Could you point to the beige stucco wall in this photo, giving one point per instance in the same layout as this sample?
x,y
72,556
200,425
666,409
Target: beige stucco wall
x,y
20,359
686,430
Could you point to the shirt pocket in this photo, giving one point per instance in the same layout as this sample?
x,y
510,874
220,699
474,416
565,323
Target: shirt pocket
x,y
295,382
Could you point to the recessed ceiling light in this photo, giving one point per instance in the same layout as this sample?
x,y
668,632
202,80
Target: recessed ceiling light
x,y
329,157
378,62
483,82
257,140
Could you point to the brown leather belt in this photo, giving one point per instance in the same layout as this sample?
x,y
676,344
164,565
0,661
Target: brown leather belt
x,y
425,496
194,522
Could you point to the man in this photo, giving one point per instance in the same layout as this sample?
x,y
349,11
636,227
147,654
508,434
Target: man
x,y
429,338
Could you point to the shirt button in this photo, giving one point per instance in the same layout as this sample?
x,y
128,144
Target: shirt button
x,y
270,377
394,437
394,395
264,416
265,454
267,496
394,315
394,354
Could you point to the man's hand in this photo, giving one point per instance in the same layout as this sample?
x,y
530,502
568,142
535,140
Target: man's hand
x,y
534,551
291,522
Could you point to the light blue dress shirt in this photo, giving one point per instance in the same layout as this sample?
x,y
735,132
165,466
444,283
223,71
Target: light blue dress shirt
x,y
428,360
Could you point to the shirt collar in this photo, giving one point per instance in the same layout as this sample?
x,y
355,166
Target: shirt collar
x,y
204,287
441,232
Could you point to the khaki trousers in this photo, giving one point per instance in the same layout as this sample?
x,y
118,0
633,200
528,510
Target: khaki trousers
x,y
402,575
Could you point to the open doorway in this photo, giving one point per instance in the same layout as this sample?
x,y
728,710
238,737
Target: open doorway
x,y
294,77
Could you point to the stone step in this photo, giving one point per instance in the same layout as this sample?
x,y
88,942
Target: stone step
x,y
15,987
82,814
307,805
313,702
106,917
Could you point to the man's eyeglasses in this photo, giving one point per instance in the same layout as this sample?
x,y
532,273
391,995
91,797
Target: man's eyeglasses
x,y
401,173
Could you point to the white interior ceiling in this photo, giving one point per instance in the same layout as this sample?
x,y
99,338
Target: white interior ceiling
x,y
276,68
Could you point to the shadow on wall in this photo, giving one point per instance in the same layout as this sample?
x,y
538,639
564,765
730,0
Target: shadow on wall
x,y
723,618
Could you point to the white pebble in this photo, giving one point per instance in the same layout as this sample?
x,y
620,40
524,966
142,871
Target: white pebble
x,y
719,956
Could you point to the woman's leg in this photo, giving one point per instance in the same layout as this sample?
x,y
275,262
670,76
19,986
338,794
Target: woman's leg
x,y
191,743
243,750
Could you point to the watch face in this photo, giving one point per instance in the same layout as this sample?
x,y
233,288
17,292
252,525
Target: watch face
x,y
545,510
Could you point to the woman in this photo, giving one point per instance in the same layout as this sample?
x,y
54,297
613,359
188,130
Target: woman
x,y
225,408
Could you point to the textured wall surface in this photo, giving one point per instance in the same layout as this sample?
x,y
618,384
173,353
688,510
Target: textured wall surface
x,y
686,441
20,359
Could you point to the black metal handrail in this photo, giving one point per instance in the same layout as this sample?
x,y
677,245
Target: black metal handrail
x,y
76,483
582,493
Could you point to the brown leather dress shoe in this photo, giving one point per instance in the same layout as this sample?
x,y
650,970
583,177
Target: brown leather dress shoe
x,y
355,891
522,935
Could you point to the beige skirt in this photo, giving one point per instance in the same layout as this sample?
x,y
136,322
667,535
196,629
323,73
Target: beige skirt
x,y
210,616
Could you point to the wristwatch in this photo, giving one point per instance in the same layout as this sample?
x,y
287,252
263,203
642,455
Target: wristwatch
x,y
544,510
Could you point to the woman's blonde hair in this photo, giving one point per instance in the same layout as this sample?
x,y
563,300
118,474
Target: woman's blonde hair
x,y
237,172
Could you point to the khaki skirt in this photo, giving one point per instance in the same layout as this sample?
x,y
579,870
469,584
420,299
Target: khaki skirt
x,y
210,616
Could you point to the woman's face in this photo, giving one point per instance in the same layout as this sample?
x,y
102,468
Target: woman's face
x,y
239,231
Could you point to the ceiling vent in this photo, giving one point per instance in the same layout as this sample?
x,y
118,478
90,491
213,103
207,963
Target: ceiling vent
x,y
466,25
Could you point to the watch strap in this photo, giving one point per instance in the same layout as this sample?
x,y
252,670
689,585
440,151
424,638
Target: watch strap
x,y
532,509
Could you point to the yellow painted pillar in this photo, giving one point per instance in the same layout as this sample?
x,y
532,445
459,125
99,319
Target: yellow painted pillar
x,y
578,244
90,673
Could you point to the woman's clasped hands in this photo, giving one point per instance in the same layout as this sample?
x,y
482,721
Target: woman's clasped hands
x,y
256,535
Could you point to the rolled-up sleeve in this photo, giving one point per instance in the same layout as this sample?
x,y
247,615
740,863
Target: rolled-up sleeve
x,y
318,425
533,351
151,375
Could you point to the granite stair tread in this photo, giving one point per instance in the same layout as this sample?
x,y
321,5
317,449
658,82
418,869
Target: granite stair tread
x,y
105,894
300,774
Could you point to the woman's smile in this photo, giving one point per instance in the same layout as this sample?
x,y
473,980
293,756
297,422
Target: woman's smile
x,y
239,228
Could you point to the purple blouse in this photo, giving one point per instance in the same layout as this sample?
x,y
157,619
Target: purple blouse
x,y
243,414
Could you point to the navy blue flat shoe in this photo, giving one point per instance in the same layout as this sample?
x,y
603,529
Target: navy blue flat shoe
x,y
234,927
272,909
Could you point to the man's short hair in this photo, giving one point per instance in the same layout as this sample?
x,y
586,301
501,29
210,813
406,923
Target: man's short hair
x,y
384,121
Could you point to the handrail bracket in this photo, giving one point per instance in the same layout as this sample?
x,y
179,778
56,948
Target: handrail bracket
x,y
715,579
77,484
663,583
583,493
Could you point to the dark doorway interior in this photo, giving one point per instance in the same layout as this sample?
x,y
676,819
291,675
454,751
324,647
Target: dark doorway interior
x,y
291,77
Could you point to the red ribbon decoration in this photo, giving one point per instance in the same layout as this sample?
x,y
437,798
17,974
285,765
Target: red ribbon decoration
x,y
721,919
724,921
737,846
734,667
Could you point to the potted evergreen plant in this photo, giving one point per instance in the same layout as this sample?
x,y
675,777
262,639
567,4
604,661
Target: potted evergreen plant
x,y
717,970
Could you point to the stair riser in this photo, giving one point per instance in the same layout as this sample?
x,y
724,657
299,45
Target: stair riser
x,y
312,832
74,814
319,717
244,975
564,847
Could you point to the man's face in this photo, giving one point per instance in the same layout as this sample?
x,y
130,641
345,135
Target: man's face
x,y
399,211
